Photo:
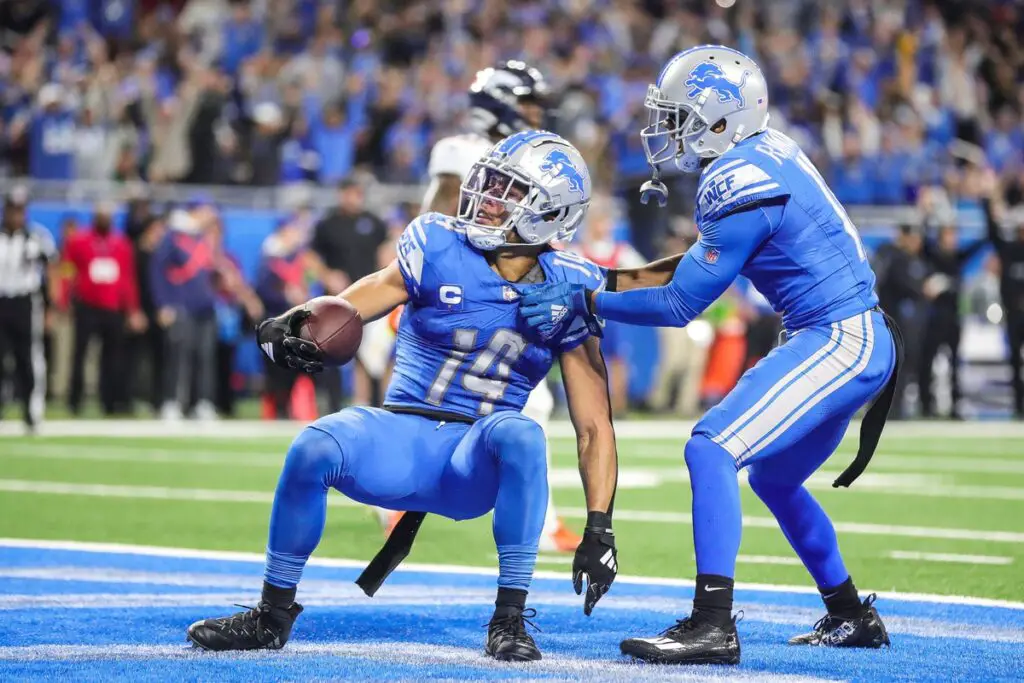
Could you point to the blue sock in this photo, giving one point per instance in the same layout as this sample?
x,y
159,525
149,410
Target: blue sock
x,y
807,528
519,445
515,565
313,463
717,516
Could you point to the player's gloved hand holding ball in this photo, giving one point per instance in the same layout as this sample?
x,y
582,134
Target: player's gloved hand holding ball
x,y
325,331
280,342
596,558
551,309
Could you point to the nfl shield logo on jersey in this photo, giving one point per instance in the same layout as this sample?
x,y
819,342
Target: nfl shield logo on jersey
x,y
509,293
711,255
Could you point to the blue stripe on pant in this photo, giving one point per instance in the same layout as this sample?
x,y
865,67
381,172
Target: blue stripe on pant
x,y
820,376
784,418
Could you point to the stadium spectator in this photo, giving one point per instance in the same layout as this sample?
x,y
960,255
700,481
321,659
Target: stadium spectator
x,y
682,352
105,299
334,140
344,249
181,276
280,285
942,326
266,145
238,309
59,334
243,36
212,142
1011,288
901,271
51,129
346,240
145,354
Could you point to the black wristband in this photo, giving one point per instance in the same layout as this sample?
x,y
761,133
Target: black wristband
x,y
599,521
611,278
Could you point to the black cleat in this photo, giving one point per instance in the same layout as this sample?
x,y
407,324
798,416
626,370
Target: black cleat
x,y
866,630
507,639
688,642
262,627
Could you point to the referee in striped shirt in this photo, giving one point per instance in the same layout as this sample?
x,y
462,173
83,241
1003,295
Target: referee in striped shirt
x,y
25,252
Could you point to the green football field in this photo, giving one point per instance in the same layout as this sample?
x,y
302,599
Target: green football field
x,y
938,512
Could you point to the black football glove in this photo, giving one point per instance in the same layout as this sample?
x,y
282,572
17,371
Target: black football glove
x,y
596,558
280,342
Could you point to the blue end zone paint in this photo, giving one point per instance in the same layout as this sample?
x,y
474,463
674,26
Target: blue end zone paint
x,y
97,616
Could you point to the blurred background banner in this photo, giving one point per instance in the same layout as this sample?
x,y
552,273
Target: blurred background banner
x,y
254,153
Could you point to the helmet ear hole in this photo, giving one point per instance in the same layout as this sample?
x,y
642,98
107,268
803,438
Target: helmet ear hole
x,y
719,126
554,215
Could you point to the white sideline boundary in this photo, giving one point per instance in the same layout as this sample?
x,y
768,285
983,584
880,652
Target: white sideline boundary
x,y
624,429
235,556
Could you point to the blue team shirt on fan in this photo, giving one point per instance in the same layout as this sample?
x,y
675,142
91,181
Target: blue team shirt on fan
x,y
805,256
461,347
52,146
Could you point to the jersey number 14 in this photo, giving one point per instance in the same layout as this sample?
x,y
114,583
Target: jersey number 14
x,y
487,375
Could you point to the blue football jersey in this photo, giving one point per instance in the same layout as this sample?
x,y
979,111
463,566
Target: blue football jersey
x,y
461,348
812,268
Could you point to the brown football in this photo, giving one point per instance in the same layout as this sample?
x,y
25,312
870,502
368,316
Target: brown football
x,y
335,327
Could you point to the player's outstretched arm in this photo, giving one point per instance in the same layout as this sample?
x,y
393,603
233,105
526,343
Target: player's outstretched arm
x,y
702,275
377,294
654,274
586,385
373,296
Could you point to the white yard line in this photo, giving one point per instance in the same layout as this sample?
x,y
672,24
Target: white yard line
x,y
228,496
258,559
149,492
627,429
412,654
949,557
769,559
911,482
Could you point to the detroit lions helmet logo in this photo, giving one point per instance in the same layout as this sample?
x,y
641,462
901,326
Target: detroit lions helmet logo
x,y
710,75
557,164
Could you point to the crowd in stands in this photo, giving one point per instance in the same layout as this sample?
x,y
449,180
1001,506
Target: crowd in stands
x,y
885,95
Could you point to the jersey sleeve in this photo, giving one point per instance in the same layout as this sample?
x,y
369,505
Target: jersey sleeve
x,y
567,266
704,273
452,156
732,184
420,248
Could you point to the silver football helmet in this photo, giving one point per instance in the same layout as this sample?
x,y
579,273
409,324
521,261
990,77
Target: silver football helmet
x,y
706,100
534,182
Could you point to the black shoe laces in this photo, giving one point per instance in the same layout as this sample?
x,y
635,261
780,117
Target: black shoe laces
x,y
245,622
682,626
688,624
514,624
826,625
